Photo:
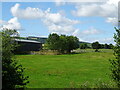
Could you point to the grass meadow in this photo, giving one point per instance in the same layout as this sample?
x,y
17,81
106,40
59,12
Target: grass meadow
x,y
67,71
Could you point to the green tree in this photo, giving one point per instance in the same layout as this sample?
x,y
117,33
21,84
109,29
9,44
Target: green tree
x,y
102,46
12,73
53,41
62,43
115,64
83,45
72,43
106,46
96,46
111,46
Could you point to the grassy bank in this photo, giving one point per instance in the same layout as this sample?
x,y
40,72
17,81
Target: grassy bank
x,y
66,71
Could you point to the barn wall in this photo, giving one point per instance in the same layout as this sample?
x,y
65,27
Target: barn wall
x,y
26,47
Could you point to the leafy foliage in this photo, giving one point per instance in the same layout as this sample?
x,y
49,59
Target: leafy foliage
x,y
12,73
96,45
83,46
72,43
115,64
52,41
62,43
111,46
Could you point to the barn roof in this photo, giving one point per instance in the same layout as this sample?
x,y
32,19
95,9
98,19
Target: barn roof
x,y
23,40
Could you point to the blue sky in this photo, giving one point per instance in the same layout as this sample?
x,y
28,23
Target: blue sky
x,y
89,22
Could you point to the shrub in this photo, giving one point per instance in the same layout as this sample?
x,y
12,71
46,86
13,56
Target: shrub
x,y
115,64
12,73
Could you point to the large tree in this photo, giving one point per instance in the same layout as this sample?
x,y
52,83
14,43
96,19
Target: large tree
x,y
96,46
62,43
53,41
72,43
83,46
106,46
111,46
12,72
115,64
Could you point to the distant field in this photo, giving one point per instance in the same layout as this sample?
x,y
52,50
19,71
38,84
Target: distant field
x,y
66,71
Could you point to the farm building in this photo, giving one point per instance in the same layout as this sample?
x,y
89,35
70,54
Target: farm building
x,y
26,46
39,39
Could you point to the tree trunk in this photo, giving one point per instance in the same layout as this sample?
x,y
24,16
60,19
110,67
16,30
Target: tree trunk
x,y
68,51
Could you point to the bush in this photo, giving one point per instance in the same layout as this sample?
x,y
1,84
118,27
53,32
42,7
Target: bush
x,y
96,46
12,73
115,64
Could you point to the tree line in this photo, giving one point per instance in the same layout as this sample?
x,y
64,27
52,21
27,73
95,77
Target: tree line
x,y
96,45
65,44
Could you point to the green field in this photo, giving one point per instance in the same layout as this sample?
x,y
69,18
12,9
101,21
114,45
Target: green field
x,y
66,71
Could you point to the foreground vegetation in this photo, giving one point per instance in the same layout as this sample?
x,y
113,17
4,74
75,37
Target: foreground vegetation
x,y
12,72
115,63
67,71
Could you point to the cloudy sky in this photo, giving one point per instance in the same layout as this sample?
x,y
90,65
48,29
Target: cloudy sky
x,y
89,21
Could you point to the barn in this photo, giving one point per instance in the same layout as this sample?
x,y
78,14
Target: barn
x,y
25,46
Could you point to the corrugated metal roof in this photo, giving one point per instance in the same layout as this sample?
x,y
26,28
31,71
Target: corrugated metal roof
x,y
23,40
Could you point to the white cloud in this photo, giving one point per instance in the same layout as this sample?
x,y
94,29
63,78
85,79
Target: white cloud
x,y
59,2
100,40
113,2
55,22
107,9
2,22
91,31
113,20
59,24
83,35
12,24
89,36
107,40
60,27
28,13
95,9
62,12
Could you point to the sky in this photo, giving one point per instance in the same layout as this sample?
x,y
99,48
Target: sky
x,y
89,21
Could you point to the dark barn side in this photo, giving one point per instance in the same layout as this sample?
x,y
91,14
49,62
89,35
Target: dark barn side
x,y
25,46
